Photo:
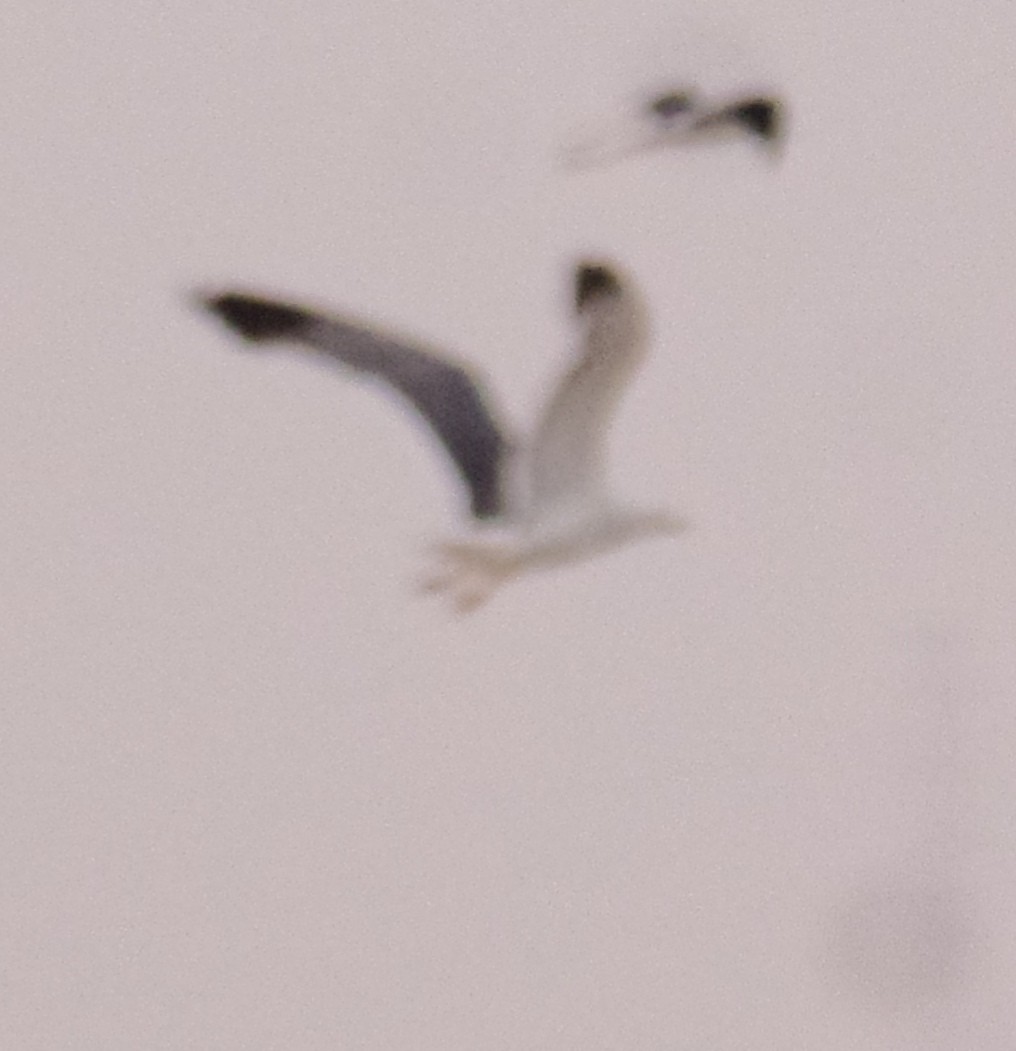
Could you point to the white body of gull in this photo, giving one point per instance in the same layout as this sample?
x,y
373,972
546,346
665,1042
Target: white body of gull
x,y
679,118
549,496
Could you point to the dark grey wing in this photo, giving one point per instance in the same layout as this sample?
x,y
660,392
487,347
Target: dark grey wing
x,y
678,118
444,393
671,104
761,115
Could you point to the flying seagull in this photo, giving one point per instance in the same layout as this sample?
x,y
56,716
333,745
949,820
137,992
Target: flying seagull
x,y
541,504
677,117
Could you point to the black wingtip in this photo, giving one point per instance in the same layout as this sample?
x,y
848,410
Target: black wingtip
x,y
593,280
256,319
671,104
761,116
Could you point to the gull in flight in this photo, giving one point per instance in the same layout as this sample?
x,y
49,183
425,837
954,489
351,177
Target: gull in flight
x,y
540,504
678,118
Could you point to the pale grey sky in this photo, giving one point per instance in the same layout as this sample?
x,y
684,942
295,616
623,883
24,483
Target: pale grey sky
x,y
750,788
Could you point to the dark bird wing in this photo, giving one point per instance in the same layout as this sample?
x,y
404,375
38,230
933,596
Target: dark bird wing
x,y
761,115
444,393
679,118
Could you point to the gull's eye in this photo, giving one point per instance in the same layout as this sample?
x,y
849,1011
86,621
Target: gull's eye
x,y
671,104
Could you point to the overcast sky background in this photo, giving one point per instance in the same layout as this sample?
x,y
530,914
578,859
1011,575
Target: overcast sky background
x,y
748,788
